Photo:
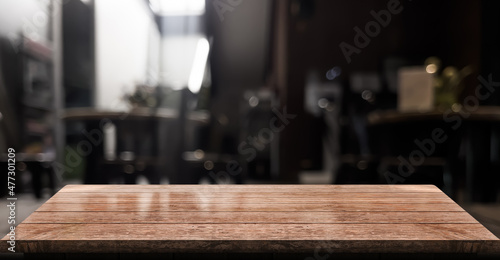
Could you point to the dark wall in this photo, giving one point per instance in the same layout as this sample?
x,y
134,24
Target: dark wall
x,y
448,29
490,54
239,57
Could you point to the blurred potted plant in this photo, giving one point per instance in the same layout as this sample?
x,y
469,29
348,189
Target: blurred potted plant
x,y
448,83
144,96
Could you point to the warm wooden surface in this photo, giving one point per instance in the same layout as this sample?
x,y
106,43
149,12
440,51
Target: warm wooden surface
x,y
252,218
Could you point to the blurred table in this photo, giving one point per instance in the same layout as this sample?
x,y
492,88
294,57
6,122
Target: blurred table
x,y
141,133
201,117
482,113
301,220
476,129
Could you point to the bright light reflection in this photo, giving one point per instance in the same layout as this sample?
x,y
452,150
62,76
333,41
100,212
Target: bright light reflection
x,y
178,7
431,68
199,64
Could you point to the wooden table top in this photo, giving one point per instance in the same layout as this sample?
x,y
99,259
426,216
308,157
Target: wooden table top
x,y
251,218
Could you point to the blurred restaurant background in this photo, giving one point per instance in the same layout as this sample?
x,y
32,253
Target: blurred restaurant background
x,y
253,92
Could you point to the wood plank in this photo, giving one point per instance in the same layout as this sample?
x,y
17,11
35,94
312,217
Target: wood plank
x,y
237,207
260,232
250,188
249,217
243,201
245,195
251,237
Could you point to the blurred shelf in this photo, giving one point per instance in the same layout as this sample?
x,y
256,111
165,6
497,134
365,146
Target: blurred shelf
x,y
37,105
37,50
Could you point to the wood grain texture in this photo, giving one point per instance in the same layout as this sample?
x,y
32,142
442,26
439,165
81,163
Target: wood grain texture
x,y
249,237
249,188
214,217
237,207
244,195
233,200
251,218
